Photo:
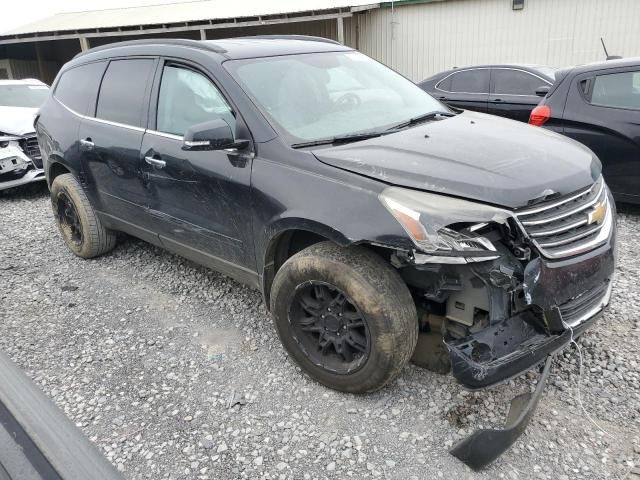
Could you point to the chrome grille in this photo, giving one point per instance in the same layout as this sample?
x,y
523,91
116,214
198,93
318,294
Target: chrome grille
x,y
32,150
569,226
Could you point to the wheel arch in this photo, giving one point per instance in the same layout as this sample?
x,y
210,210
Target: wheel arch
x,y
55,168
289,237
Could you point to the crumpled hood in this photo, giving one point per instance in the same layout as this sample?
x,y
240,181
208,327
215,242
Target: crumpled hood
x,y
473,156
17,120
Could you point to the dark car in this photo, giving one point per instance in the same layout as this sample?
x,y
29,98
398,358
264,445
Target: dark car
x,y
599,105
361,207
510,91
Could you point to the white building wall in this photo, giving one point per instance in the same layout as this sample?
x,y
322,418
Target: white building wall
x,y
430,37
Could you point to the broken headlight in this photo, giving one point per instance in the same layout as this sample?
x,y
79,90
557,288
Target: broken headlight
x,y
430,220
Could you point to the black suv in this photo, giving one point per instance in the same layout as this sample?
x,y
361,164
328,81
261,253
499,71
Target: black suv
x,y
599,105
367,212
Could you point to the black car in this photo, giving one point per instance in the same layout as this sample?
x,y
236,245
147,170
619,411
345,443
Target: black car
x,y
363,209
599,105
510,91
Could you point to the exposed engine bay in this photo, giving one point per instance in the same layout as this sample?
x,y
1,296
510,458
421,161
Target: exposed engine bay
x,y
503,313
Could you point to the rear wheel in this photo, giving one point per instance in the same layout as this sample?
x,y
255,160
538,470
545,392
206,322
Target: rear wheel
x,y
77,221
345,316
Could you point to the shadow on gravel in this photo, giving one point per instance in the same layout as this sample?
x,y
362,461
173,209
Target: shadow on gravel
x,y
628,208
26,192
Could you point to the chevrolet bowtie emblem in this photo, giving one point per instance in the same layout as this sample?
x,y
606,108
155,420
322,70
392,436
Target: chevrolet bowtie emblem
x,y
597,214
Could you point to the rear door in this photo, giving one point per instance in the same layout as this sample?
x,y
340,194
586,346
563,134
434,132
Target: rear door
x,y
467,89
603,112
110,140
202,199
513,93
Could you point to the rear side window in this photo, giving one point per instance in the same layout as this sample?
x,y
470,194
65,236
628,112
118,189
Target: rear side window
x,y
122,93
470,81
515,82
621,90
188,98
78,87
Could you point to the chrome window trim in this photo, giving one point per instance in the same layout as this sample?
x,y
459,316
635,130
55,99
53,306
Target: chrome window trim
x,y
100,120
165,135
465,70
518,70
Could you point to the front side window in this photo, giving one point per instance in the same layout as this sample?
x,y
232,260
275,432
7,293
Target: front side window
x,y
188,98
78,87
515,82
31,96
470,81
122,92
620,90
324,95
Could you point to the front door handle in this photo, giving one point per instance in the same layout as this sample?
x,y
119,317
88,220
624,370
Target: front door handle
x,y
156,162
87,143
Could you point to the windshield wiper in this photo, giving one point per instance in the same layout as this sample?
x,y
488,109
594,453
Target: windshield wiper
x,y
421,118
338,140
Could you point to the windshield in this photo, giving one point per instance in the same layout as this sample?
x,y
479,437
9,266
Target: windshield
x,y
323,95
32,96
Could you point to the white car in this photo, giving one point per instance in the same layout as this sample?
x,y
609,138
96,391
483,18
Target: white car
x,y
20,160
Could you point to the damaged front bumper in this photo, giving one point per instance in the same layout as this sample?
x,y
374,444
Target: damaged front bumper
x,y
566,299
17,167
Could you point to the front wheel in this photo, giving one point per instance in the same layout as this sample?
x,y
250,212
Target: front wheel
x,y
345,316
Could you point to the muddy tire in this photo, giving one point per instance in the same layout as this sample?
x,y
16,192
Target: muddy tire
x,y
345,316
77,222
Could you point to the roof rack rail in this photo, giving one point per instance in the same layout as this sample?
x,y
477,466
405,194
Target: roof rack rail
x,y
158,41
308,38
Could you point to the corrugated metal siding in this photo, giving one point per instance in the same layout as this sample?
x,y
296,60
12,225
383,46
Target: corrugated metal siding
x,y
431,37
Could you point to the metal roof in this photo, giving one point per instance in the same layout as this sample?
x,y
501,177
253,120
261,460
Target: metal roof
x,y
179,12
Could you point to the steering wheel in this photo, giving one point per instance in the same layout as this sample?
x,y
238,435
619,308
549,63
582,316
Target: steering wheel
x,y
348,100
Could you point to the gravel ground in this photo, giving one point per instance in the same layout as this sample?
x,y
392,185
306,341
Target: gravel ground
x,y
175,372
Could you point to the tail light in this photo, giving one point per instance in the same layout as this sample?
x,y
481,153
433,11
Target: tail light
x,y
540,115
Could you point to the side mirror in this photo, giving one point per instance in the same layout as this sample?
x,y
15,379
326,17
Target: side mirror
x,y
212,135
543,90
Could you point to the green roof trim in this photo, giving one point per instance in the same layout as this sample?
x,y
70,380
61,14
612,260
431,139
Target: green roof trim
x,y
401,3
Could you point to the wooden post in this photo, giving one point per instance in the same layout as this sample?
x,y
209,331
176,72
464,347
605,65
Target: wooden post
x,y
340,26
39,60
84,43
203,34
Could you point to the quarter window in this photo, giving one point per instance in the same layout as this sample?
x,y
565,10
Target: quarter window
x,y
78,87
620,90
470,81
122,92
515,82
188,98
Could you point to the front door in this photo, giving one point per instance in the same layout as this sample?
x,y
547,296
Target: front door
x,y
110,144
202,199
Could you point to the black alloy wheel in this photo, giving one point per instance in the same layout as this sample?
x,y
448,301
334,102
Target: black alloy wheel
x,y
68,218
329,328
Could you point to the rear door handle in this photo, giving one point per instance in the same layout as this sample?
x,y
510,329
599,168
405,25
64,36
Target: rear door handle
x,y
156,162
87,143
